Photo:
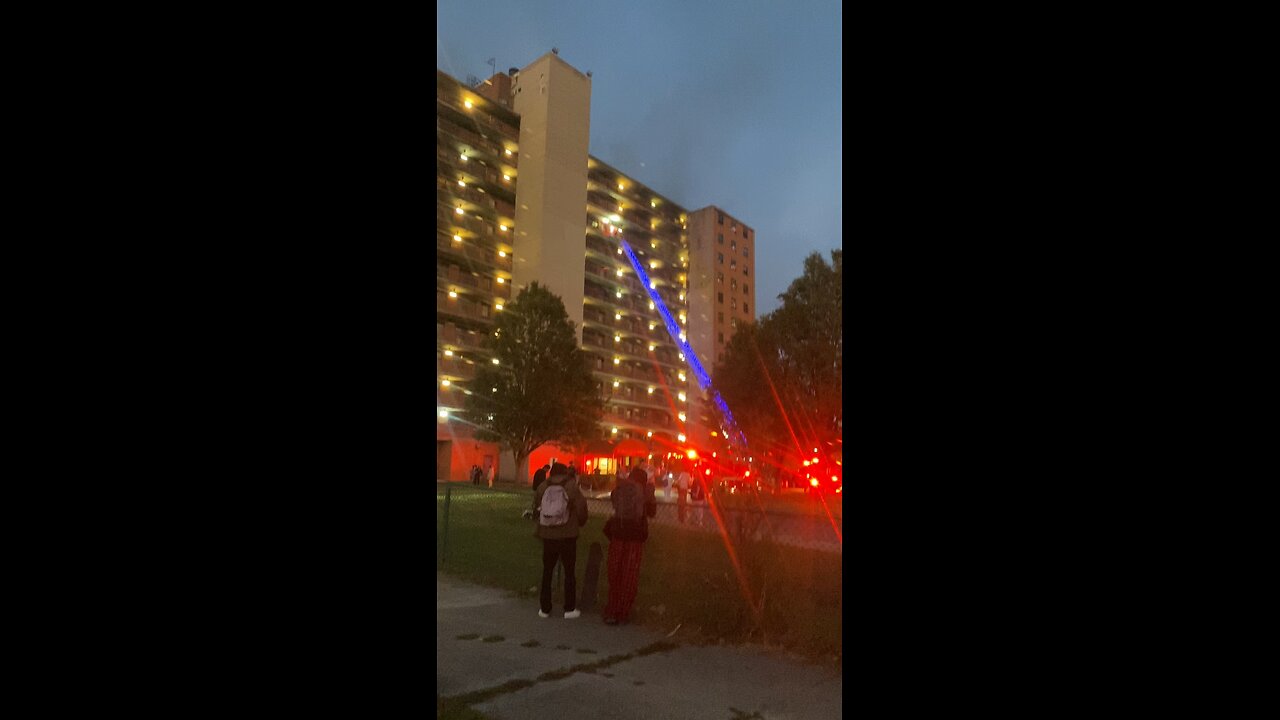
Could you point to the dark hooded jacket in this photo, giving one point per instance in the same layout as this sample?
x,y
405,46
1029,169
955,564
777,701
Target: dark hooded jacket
x,y
577,505
615,529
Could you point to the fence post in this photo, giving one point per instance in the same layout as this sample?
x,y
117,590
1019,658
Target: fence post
x,y
444,544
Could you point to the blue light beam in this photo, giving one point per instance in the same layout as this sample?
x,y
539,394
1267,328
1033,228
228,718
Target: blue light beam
x,y
674,331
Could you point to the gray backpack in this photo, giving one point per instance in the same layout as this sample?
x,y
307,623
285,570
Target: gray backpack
x,y
555,507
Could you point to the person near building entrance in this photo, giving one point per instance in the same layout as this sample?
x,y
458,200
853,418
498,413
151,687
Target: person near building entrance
x,y
682,486
488,471
475,474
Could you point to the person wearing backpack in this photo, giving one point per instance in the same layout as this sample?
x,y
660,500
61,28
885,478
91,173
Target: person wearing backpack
x,y
560,510
633,504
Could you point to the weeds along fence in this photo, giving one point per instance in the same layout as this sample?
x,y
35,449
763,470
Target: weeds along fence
x,y
820,528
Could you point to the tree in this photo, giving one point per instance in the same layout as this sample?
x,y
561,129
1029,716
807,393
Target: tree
x,y
797,352
541,389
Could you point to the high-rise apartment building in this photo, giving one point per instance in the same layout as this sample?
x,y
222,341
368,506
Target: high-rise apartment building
x,y
519,199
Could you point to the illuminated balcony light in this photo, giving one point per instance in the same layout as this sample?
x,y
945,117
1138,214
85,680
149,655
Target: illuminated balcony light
x,y
806,463
653,203
498,306
501,281
508,151
681,297
681,356
617,338
619,293
653,285
614,431
464,157
448,353
495,361
461,184
457,238
681,416
494,389
444,413
650,304
615,217
503,228
444,383
653,265
650,434
679,395
681,377
650,389
616,361
459,210
682,337
715,434
502,253
682,320
619,273
467,103
651,346
620,187
453,294
619,251
615,383
506,177
651,326
681,437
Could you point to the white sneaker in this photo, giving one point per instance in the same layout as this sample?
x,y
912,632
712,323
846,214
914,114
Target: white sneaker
x,y
572,614
543,615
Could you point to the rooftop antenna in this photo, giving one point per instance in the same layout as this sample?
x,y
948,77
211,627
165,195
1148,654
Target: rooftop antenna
x,y
493,67
555,50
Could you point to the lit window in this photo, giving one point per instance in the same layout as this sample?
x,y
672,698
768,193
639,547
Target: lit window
x,y
495,389
444,413
681,436
495,361
445,383
453,294
448,353
498,306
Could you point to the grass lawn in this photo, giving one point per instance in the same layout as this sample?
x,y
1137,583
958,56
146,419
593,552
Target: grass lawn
x,y
686,579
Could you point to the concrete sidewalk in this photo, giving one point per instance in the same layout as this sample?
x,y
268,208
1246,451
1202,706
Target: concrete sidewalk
x,y
514,644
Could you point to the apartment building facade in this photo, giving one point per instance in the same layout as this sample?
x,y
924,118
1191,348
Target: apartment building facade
x,y
519,198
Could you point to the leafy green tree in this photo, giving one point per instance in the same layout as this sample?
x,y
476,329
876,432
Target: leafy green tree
x,y
797,352
541,390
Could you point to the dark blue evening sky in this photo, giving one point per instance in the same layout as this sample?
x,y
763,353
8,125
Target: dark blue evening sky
x,y
731,103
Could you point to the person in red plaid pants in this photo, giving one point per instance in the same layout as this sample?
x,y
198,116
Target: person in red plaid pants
x,y
626,548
